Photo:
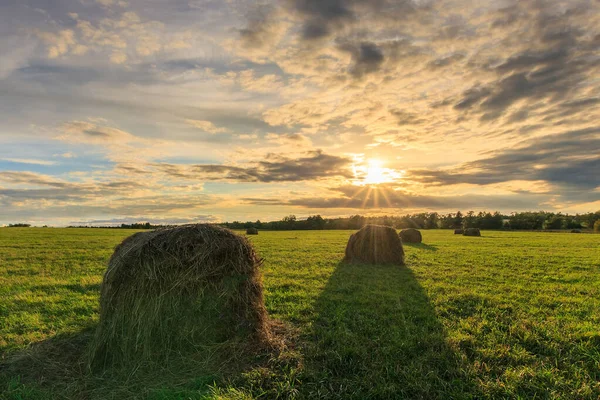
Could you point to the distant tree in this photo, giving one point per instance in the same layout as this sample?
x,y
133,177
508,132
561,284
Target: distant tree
x,y
458,220
469,221
571,223
597,226
527,220
554,221
315,222
356,222
19,225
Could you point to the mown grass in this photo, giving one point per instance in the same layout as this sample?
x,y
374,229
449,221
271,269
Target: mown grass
x,y
506,315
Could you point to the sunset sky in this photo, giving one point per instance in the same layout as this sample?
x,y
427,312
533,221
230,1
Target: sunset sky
x,y
218,110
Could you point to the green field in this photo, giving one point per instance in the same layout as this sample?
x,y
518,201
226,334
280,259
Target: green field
x,y
506,315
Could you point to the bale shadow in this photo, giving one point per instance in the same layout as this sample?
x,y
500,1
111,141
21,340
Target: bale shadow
x,y
56,364
421,246
58,368
377,336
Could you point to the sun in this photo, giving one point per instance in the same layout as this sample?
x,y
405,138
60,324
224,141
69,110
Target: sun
x,y
371,172
375,173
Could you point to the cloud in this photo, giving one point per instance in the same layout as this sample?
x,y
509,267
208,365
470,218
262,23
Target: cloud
x,y
292,139
569,159
558,59
18,177
206,126
92,133
388,196
321,18
313,165
29,161
259,29
59,43
366,57
43,197
484,100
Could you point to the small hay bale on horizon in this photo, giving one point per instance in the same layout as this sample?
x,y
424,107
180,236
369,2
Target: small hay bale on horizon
x,y
458,231
472,232
411,235
576,231
251,231
191,290
375,244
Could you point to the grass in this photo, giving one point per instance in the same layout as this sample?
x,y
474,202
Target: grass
x,y
506,315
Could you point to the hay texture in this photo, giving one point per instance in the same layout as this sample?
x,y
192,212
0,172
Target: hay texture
x,y
472,232
251,231
458,231
178,291
411,235
375,244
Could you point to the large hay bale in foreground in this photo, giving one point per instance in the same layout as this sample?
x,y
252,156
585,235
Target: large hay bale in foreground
x,y
411,235
375,244
251,231
183,290
472,232
458,231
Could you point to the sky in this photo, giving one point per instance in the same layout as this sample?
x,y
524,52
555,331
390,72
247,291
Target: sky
x,y
117,111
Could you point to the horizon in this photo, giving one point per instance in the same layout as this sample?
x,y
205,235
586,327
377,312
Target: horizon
x,y
120,111
439,217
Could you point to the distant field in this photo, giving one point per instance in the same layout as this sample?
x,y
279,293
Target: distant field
x,y
506,315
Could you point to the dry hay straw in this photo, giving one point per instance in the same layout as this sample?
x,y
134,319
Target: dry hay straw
x,y
411,235
251,231
472,232
192,289
375,244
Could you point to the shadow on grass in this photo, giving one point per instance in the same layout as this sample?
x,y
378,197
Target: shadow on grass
x,y
46,368
376,336
56,368
421,246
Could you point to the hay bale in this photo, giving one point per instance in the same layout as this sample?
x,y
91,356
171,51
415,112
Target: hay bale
x,y
178,291
375,244
458,231
251,231
472,232
576,231
411,235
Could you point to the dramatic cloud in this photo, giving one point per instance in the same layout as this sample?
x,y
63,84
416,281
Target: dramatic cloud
x,y
119,110
570,159
366,57
276,168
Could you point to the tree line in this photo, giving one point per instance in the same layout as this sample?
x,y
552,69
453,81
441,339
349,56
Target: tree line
x,y
540,220
484,220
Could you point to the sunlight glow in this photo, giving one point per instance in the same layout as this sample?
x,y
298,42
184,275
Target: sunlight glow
x,y
374,173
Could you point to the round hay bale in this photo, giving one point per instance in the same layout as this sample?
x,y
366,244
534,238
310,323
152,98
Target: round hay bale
x,y
472,232
181,290
251,231
411,235
458,231
375,244
576,231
